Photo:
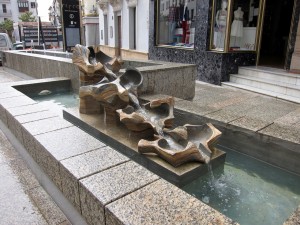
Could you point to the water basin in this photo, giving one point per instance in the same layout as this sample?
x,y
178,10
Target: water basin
x,y
58,101
248,191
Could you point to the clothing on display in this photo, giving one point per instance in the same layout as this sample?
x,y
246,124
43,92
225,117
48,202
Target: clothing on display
x,y
173,17
237,24
221,20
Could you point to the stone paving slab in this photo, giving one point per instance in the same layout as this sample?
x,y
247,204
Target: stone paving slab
x,y
237,110
263,115
75,168
194,107
50,211
102,188
161,203
18,188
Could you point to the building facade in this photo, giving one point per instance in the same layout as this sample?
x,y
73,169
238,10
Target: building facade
x,y
124,27
90,22
220,35
12,9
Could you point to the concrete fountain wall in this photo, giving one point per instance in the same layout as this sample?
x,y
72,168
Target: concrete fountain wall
x,y
174,79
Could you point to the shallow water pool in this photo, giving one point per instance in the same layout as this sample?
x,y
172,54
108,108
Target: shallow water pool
x,y
248,191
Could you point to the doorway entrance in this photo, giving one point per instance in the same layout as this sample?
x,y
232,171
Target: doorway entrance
x,y
119,36
275,33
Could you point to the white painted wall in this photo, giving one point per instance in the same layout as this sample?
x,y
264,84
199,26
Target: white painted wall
x,y
142,26
89,5
111,26
125,26
101,27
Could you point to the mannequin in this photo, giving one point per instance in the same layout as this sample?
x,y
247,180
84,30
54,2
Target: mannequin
x,y
184,17
172,21
221,19
237,25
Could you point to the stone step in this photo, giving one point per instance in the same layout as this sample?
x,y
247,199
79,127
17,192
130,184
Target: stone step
x,y
261,91
271,74
266,84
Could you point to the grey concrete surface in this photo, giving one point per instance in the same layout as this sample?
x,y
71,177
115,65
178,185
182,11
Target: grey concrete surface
x,y
22,199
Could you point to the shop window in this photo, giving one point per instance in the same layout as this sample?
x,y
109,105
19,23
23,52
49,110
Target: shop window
x,y
175,23
235,29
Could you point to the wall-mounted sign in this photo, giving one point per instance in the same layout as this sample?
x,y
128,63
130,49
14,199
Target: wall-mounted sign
x,y
71,23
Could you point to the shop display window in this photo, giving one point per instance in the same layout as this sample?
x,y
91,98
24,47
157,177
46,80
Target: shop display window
x,y
236,26
175,23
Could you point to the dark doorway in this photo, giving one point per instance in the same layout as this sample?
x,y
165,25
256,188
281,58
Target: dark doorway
x,y
119,43
275,33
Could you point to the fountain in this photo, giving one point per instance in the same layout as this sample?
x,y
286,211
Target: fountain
x,y
102,90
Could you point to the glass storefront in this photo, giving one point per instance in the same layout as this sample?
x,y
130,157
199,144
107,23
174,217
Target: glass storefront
x,y
176,23
235,25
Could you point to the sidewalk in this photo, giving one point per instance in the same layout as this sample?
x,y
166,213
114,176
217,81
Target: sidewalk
x,y
22,199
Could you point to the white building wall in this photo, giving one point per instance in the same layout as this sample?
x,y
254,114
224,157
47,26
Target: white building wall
x,y
142,26
111,26
101,27
142,22
125,26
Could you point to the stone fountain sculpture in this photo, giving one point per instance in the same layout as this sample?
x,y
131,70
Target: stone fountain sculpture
x,y
102,89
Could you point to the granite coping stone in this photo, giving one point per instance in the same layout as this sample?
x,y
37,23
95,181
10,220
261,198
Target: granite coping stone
x,y
162,203
16,101
35,116
75,168
27,109
65,143
109,185
288,132
6,88
10,94
92,162
46,125
68,142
